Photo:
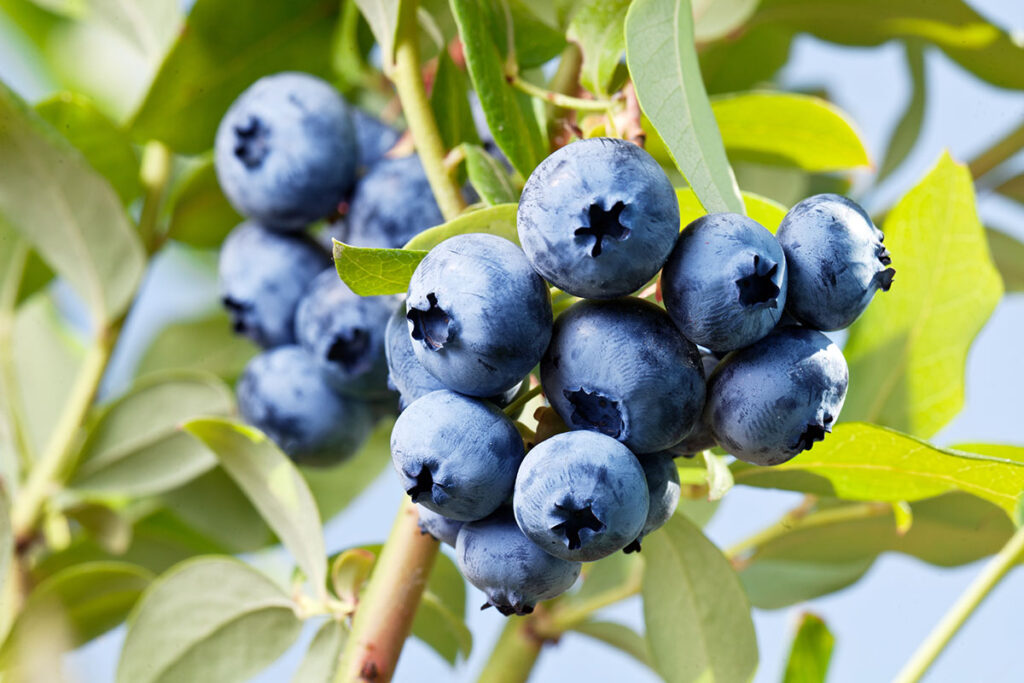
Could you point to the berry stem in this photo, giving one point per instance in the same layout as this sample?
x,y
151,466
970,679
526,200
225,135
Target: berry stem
x,y
944,631
418,115
998,152
515,653
383,618
558,99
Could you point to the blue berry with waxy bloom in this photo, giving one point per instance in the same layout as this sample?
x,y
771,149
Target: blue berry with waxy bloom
x,y
663,492
440,527
392,204
344,332
514,574
374,138
479,316
263,276
598,218
836,258
701,438
283,393
285,151
725,283
581,496
776,398
456,455
622,368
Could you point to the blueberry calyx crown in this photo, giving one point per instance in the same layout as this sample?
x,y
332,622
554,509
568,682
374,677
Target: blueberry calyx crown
x,y
574,520
604,223
236,312
432,327
633,547
424,485
759,287
813,433
592,410
507,610
252,142
349,350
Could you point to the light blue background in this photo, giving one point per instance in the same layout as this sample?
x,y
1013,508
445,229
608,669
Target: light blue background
x,y
879,621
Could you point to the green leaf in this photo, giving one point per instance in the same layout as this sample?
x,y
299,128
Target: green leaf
x,y
105,146
149,26
369,272
663,62
221,52
767,212
777,583
537,38
871,463
440,619
698,619
450,104
907,130
208,619
335,487
382,16
275,488
718,475
200,213
509,113
597,26
811,652
743,62
497,220
1008,255
137,447
205,345
618,636
54,198
964,35
789,129
320,665
907,352
488,177
6,546
714,19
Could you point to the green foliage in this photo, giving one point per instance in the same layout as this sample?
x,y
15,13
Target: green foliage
x,y
321,660
207,619
811,652
663,63
335,487
382,16
497,220
597,27
449,101
1008,255
622,638
698,618
488,177
907,352
205,345
200,215
369,272
440,620
767,212
908,128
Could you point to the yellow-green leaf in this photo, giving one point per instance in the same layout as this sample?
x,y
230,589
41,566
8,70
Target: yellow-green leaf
x,y
497,220
369,272
765,211
811,652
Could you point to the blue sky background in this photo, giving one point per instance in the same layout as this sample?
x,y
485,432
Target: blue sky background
x,y
879,621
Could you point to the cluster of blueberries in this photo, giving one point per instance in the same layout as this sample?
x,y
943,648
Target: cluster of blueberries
x,y
736,357
289,153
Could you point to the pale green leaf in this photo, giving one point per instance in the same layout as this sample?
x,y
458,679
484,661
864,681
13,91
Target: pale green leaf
x,y
497,220
807,132
811,651
1008,255
488,177
614,578
908,351
778,583
54,198
450,104
908,128
440,619
767,212
369,272
209,619
597,26
871,463
718,475
620,637
320,665
275,488
137,447
201,215
149,26
382,17
698,619
663,62
204,345
716,19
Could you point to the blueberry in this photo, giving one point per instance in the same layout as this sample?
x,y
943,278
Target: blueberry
x,y
772,400
285,151
263,275
479,316
621,368
725,283
392,204
701,438
598,218
581,496
456,455
344,332
440,527
662,489
373,138
282,393
514,574
836,260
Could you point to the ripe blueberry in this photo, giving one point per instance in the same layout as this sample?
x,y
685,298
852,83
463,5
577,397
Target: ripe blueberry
x,y
725,283
663,491
285,151
621,368
700,438
514,574
774,399
406,374
456,455
282,393
479,316
373,138
598,218
263,275
581,496
836,261
440,527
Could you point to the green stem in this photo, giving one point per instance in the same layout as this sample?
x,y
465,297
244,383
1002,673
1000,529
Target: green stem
x,y
419,116
515,653
517,405
9,396
944,631
155,173
558,99
998,152
383,618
